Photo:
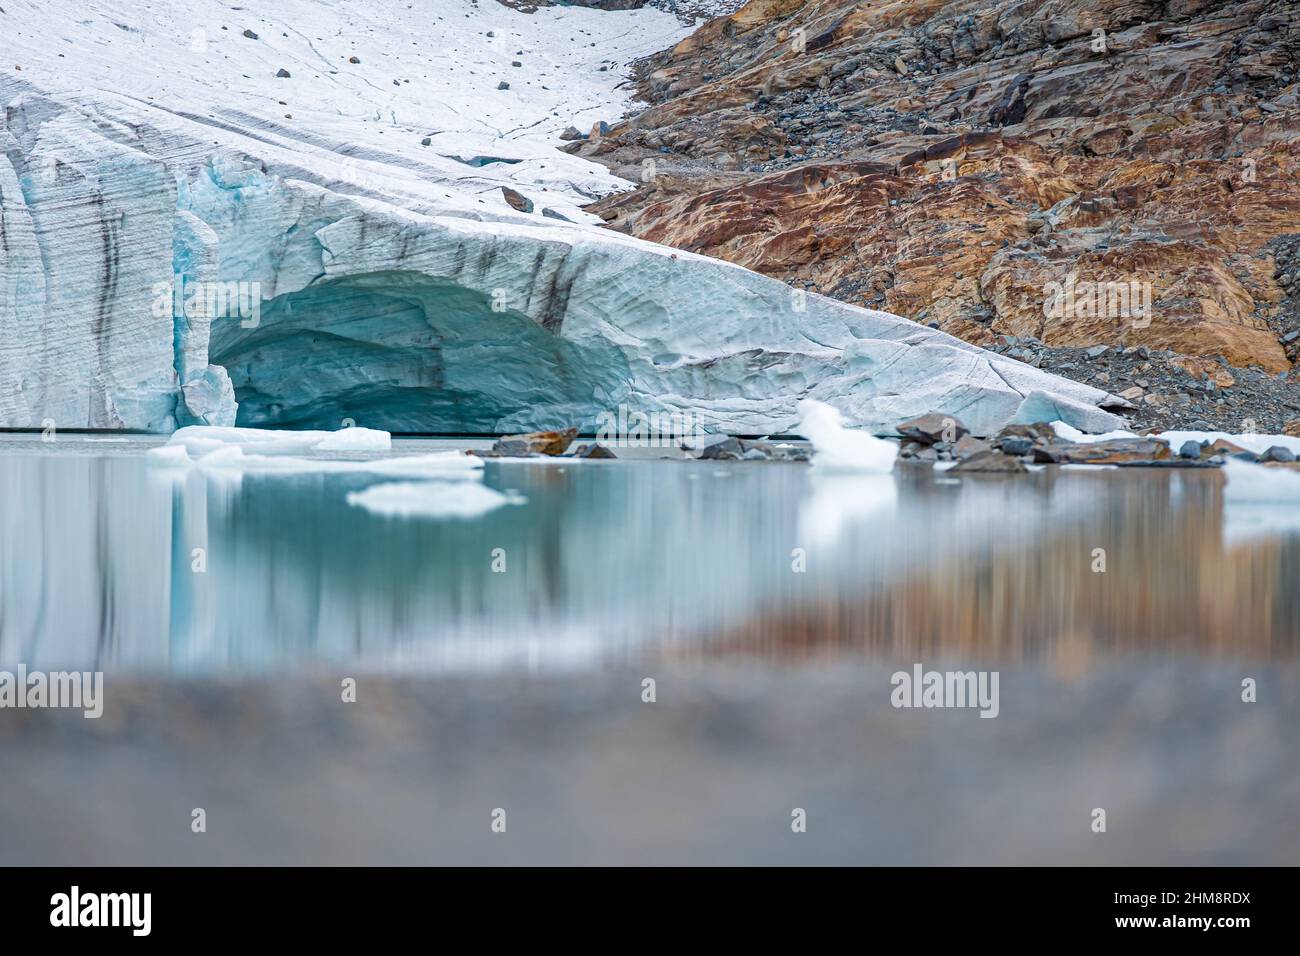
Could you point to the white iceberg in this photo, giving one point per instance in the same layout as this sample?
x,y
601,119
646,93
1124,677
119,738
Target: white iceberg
x,y
278,451
836,448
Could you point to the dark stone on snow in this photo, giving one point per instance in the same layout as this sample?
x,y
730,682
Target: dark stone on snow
x,y
517,200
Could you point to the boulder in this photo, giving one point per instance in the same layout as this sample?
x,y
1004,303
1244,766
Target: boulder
x,y
594,451
536,443
517,200
933,427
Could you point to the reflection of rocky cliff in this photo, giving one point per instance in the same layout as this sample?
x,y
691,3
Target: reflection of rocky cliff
x,y
1171,584
947,159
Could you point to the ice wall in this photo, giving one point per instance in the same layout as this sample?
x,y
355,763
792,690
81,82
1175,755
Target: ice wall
x,y
325,275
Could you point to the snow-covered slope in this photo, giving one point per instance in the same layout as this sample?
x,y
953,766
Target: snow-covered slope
x,y
345,248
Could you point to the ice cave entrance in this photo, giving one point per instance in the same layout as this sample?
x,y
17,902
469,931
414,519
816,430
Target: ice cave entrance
x,y
407,353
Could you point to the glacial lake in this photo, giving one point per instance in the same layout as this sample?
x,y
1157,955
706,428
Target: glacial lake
x,y
107,562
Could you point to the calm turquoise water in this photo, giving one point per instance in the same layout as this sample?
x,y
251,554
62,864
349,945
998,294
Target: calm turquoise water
x,y
608,562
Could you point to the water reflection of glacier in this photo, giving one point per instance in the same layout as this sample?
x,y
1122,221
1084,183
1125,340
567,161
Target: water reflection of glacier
x,y
99,555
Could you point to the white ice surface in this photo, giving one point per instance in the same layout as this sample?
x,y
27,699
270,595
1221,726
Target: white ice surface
x,y
202,439
191,56
277,451
435,464
355,439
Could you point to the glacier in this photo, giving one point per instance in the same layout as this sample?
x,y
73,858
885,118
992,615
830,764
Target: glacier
x,y
189,238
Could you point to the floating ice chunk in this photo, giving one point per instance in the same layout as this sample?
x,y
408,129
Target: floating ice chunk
x,y
431,499
201,439
838,448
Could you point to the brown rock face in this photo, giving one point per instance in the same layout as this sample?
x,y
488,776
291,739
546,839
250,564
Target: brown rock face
x,y
536,443
1114,452
1081,171
517,200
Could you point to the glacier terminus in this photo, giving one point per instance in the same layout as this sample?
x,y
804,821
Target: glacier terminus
x,y
303,229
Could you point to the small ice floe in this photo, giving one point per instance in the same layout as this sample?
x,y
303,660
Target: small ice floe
x,y
836,448
431,499
274,451
202,439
